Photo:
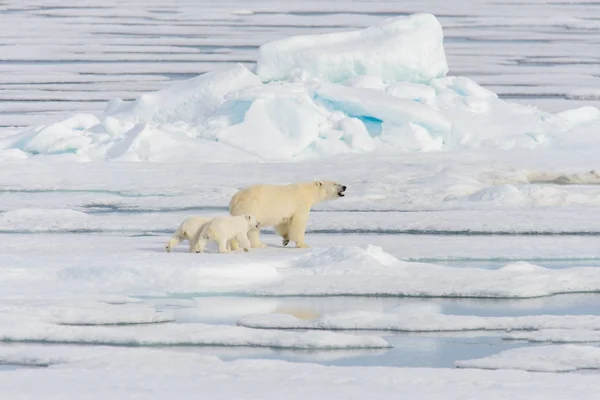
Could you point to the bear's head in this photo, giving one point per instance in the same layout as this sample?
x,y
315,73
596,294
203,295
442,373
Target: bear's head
x,y
330,190
252,222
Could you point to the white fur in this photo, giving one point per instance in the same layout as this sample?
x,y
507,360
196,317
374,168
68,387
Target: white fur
x,y
188,230
224,229
284,207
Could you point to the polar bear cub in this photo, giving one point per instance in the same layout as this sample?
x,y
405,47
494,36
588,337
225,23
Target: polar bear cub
x,y
224,229
284,207
188,230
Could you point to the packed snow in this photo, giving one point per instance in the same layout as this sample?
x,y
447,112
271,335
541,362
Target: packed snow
x,y
562,358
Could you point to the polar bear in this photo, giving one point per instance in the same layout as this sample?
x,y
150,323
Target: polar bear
x,y
284,207
224,229
188,230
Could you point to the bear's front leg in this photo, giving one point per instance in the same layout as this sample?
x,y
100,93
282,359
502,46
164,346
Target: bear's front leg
x,y
254,236
175,240
223,246
298,227
242,238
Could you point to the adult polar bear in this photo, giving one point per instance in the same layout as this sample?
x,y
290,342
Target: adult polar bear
x,y
284,207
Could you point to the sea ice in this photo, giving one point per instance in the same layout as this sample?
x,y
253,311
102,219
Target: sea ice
x,y
559,334
383,87
562,358
419,318
162,373
16,328
86,312
351,270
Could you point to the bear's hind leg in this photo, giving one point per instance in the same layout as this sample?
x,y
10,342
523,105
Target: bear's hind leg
x,y
283,230
254,236
297,228
199,245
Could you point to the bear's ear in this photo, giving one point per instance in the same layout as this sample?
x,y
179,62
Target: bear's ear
x,y
319,183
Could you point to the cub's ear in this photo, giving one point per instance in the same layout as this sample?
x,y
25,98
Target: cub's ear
x,y
248,217
319,183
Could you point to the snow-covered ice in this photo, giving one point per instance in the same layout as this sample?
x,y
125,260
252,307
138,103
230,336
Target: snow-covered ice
x,y
100,312
421,318
411,111
563,358
163,373
133,266
22,329
371,271
558,335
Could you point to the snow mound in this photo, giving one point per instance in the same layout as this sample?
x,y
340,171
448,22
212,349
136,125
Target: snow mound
x,y
541,359
342,255
31,330
399,49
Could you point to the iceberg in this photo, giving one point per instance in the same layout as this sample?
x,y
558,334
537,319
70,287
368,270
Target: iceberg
x,y
380,88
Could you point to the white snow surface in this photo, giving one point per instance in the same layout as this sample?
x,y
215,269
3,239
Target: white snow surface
x,y
141,267
563,358
166,373
352,270
383,87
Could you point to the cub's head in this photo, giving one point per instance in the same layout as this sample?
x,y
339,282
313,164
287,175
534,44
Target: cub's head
x,y
252,222
330,190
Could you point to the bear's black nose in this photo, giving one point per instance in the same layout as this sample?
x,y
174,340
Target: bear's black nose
x,y
343,187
